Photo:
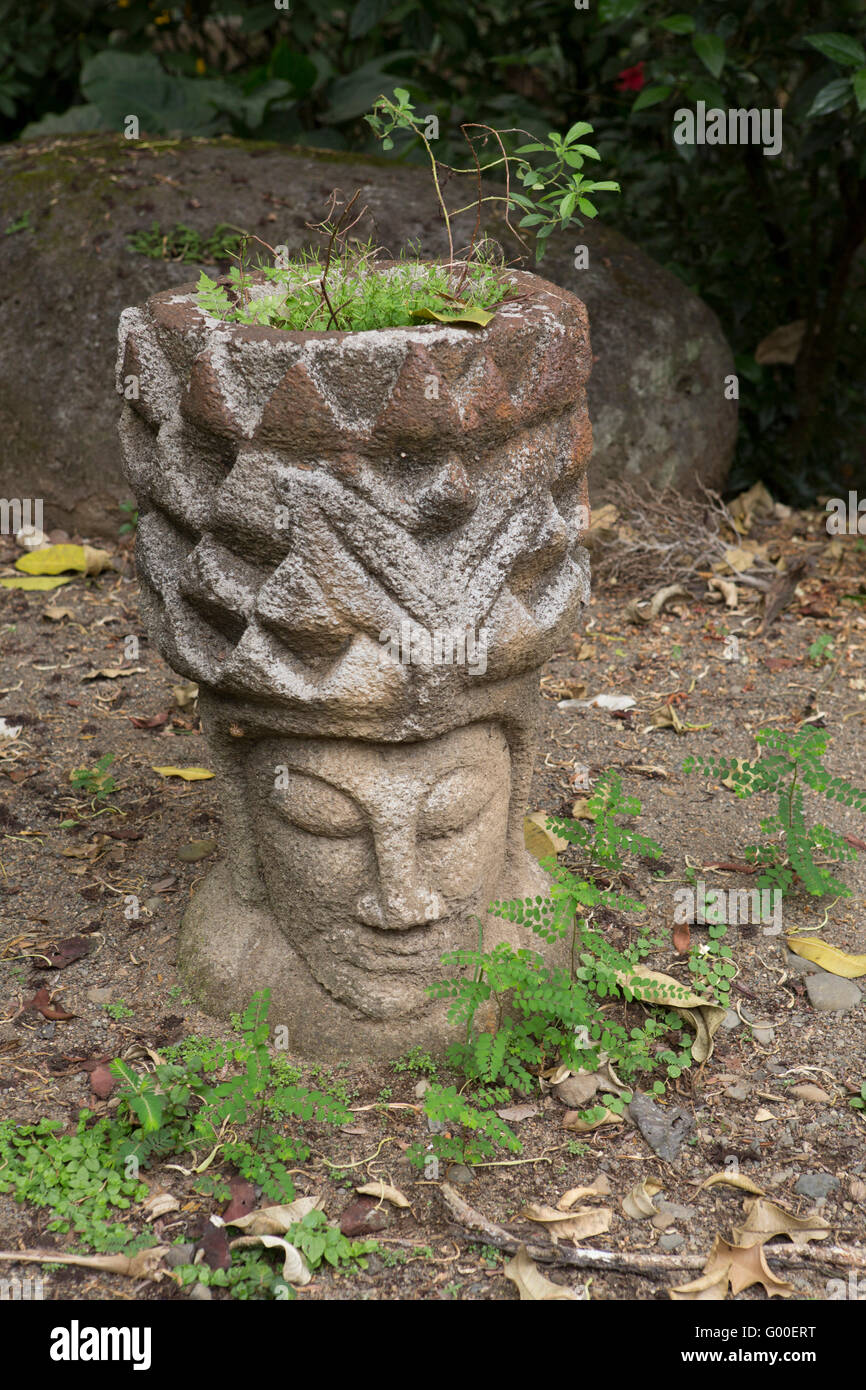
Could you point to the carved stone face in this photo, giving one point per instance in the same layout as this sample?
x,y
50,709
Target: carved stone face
x,y
375,857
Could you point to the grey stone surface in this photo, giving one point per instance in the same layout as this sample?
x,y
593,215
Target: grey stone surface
x,y
818,1186
830,992
304,498
656,395
671,1240
665,1130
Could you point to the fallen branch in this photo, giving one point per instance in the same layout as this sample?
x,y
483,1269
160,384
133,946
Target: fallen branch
x,y
648,1266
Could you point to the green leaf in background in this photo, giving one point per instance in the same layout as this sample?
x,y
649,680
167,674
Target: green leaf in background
x,y
839,48
122,84
679,24
859,83
366,15
831,97
290,66
651,96
711,51
73,121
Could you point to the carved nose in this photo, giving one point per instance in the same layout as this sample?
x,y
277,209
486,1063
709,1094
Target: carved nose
x,y
397,909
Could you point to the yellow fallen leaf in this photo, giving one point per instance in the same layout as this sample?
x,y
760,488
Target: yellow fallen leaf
x,y
733,1180
532,1284
763,1116
37,581
54,559
189,774
828,957
111,673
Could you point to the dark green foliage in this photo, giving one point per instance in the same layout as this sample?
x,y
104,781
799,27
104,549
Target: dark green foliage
x,y
788,859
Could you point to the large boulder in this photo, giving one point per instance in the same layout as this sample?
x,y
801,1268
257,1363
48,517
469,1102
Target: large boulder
x,y
656,394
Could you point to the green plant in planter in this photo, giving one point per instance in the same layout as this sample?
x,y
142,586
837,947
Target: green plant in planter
x,y
342,287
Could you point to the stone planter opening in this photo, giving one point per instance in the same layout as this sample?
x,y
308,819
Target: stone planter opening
x,y
362,547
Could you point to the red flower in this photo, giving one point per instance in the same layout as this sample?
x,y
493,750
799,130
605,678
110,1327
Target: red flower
x,y
630,79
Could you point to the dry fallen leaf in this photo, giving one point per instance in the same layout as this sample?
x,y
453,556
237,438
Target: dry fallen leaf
x,y
184,694
159,1204
573,1121
295,1269
569,1225
746,1266
514,1113
540,841
763,1116
54,559
782,345
55,613
704,1015
532,1284
638,1204
111,673
275,1221
383,1193
600,1188
828,957
732,1180
189,774
764,1220
727,588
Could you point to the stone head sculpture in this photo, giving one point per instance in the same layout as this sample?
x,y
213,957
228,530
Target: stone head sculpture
x,y
362,547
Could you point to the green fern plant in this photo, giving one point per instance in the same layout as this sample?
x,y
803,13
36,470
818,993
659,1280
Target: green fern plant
x,y
789,762
178,1108
603,842
549,1012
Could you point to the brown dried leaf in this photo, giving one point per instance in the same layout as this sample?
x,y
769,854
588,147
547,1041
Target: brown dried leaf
x,y
532,1284
765,1220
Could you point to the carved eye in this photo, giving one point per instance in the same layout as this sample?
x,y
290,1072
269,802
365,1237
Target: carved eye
x,y
317,807
455,801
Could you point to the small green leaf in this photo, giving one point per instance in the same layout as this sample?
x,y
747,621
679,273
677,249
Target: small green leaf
x,y
679,24
469,315
587,208
859,83
839,48
650,96
836,93
578,129
711,51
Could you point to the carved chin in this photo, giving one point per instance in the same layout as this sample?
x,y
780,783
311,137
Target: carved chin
x,y
382,973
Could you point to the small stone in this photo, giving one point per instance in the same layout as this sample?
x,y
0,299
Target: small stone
x,y
818,1186
422,1088
796,965
98,995
200,1293
154,905
363,1216
829,992
459,1173
674,1209
47,1030
764,1036
671,1240
739,1091
731,1020
180,1255
195,850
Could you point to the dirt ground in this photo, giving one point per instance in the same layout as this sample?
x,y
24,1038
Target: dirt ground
x,y
56,883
